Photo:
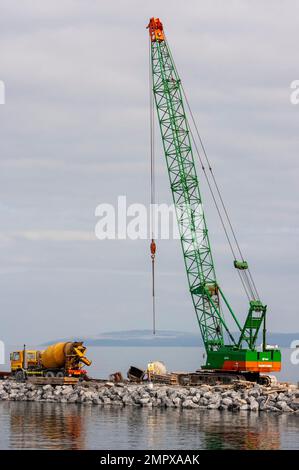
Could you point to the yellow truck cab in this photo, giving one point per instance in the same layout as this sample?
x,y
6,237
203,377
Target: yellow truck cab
x,y
23,360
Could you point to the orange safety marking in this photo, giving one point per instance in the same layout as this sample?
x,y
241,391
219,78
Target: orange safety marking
x,y
252,366
155,28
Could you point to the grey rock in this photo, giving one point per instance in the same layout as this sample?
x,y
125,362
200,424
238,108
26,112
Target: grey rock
x,y
96,401
157,402
272,408
254,393
226,401
294,404
127,399
48,395
148,405
262,405
30,386
167,402
14,385
172,395
223,407
215,398
282,405
217,388
89,395
204,388
144,401
244,407
161,393
189,404
177,402
135,396
213,406
120,392
203,401
240,401
281,397
261,398
254,405
73,398
182,393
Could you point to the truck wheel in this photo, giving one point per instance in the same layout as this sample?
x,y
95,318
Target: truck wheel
x,y
60,374
20,376
49,373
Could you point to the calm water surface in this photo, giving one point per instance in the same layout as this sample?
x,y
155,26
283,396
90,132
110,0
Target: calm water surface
x,y
25,425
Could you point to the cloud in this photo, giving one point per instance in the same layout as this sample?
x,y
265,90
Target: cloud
x,y
55,235
75,133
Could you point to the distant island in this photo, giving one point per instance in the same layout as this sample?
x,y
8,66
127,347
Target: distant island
x,y
163,338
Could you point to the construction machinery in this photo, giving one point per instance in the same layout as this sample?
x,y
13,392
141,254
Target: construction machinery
x,y
65,359
226,352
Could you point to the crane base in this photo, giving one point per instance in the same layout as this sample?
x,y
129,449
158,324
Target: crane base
x,y
216,377
227,359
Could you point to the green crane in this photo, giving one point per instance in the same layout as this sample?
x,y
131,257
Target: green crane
x,y
223,351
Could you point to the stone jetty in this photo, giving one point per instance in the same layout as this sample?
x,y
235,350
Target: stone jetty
x,y
252,398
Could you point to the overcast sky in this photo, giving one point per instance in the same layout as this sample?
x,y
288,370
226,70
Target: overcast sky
x,y
74,134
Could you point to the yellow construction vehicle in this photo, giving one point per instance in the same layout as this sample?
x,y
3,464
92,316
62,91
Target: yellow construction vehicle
x,y
58,360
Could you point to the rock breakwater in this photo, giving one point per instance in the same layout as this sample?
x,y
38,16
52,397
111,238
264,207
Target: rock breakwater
x,y
232,398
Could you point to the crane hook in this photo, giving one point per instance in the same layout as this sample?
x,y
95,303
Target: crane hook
x,y
153,248
153,255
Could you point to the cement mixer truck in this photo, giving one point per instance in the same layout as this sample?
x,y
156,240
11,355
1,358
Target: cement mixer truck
x,y
58,360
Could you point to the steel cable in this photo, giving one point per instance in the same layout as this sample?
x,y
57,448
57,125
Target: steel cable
x,y
247,277
152,188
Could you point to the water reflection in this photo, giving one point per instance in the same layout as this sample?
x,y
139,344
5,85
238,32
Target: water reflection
x,y
239,430
71,426
42,425
205,430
